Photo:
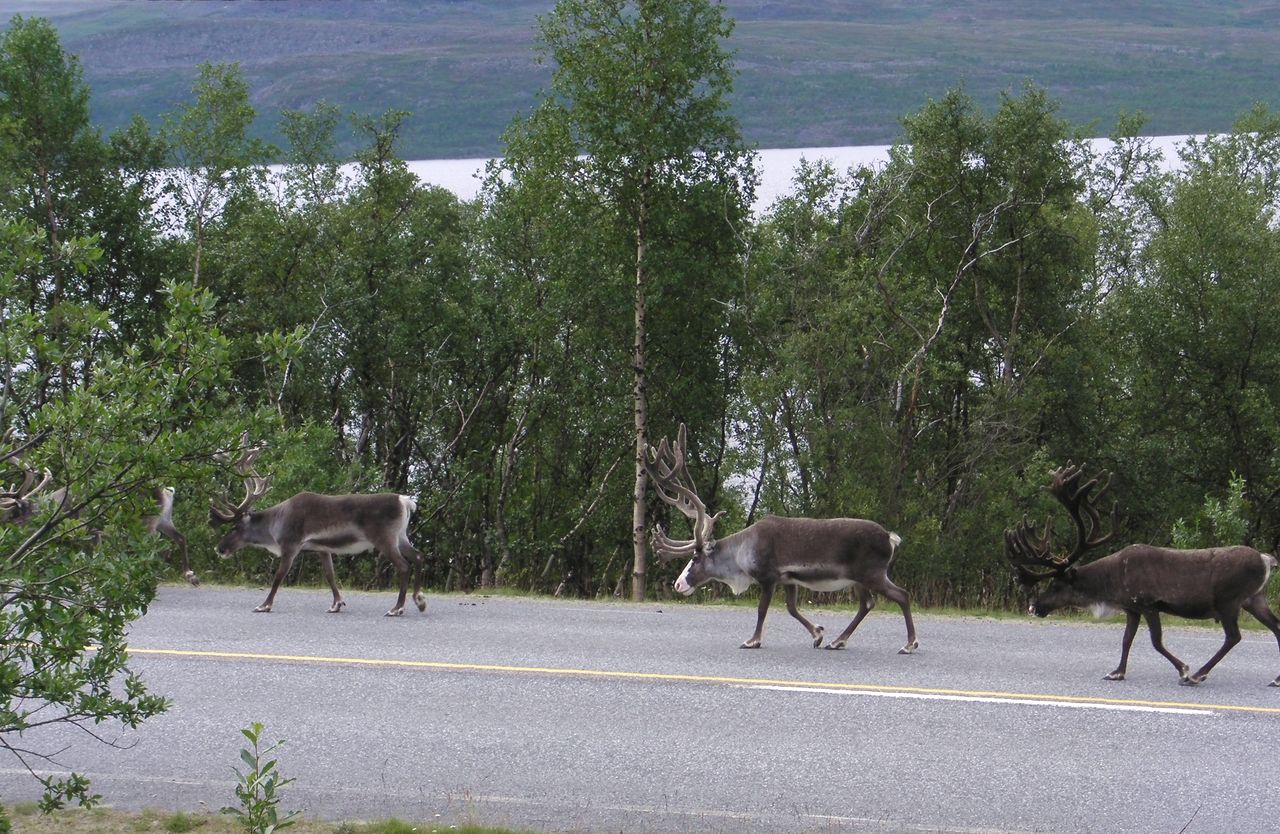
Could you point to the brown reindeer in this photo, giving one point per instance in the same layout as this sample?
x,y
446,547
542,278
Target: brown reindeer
x,y
325,524
828,554
1142,580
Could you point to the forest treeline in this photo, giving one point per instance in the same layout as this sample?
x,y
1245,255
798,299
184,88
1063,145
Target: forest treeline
x,y
918,343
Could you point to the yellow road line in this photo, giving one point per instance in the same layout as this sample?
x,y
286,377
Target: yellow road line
x,y
681,678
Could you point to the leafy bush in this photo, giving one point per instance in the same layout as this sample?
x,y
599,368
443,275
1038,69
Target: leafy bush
x,y
1221,521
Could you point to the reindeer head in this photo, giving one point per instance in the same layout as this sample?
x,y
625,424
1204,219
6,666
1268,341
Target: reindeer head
x,y
1030,553
239,516
667,468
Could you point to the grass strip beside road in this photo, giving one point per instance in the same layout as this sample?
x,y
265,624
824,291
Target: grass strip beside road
x,y
27,819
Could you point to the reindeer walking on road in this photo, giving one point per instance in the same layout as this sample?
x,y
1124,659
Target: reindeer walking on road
x,y
325,524
828,554
1141,580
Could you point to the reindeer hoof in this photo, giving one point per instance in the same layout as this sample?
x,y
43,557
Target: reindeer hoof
x,y
1191,680
1275,682
191,577
394,612
910,648
837,644
337,607
262,609
750,644
817,637
1114,676
420,601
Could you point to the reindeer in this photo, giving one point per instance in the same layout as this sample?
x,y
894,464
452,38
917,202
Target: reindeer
x,y
1141,580
19,503
829,554
326,524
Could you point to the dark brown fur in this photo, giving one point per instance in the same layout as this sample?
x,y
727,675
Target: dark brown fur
x,y
1146,581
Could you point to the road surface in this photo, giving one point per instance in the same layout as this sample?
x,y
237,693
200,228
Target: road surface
x,y
617,717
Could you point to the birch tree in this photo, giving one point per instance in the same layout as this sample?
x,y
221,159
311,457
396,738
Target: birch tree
x,y
637,117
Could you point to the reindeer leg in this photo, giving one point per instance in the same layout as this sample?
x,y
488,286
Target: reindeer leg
x,y
187,573
1130,629
1157,640
326,564
1257,606
412,554
392,551
815,631
1231,628
174,535
286,562
162,523
903,599
866,601
766,597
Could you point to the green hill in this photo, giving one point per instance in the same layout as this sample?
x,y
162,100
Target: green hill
x,y
813,72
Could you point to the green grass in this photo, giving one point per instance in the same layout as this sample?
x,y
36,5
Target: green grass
x,y
27,819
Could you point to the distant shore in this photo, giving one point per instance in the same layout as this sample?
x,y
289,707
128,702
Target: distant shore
x,y
777,167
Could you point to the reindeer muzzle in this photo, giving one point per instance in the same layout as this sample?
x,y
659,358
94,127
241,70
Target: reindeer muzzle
x,y
682,584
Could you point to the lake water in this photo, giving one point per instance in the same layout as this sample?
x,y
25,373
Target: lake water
x,y
777,166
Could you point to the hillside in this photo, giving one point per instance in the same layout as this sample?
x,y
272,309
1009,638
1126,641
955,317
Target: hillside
x,y
813,72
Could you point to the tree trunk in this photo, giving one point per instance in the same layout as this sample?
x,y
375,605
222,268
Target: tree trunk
x,y
199,242
639,520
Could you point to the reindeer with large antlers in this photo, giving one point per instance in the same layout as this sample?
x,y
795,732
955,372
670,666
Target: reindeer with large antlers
x,y
1141,580
830,554
325,524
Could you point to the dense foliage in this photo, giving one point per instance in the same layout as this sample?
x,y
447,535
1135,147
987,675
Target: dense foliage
x,y
918,343
113,380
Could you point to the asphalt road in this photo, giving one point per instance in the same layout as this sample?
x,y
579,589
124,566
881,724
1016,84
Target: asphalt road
x,y
618,717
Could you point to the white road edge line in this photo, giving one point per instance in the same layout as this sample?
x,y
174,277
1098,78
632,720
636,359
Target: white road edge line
x,y
978,699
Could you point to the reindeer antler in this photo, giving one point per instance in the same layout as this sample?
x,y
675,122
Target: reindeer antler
x,y
255,485
668,548
16,500
667,468
1028,550
1075,496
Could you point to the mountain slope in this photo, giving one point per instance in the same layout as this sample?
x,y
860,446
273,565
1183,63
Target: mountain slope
x,y
813,72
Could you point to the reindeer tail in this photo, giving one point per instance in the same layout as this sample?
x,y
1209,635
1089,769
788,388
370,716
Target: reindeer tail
x,y
894,541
